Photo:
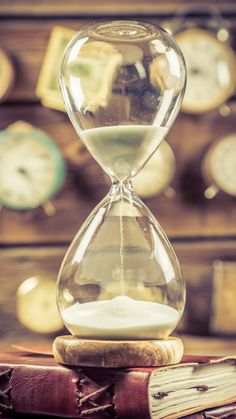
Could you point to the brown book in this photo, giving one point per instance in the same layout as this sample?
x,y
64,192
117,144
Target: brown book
x,y
221,412
37,385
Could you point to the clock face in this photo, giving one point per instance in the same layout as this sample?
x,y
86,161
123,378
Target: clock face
x,y
156,174
210,70
221,164
31,169
36,305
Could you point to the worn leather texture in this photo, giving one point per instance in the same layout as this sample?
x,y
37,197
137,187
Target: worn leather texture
x,y
37,385
32,384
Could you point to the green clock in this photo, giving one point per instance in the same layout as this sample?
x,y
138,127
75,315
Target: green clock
x,y
32,168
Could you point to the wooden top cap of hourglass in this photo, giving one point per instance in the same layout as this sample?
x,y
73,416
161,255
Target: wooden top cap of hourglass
x,y
70,350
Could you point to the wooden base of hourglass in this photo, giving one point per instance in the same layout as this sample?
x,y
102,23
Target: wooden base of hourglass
x,y
70,350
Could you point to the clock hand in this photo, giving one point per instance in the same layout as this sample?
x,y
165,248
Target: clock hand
x,y
23,172
195,71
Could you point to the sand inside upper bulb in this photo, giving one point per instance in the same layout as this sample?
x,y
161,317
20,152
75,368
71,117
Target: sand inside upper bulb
x,y
121,317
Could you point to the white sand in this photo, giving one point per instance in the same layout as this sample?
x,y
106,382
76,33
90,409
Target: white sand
x,y
121,317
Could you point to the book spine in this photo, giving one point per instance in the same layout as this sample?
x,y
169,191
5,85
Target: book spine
x,y
131,395
58,392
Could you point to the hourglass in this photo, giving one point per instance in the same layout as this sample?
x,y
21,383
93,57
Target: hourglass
x,y
120,290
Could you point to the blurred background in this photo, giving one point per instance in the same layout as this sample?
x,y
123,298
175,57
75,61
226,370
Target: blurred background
x,y
192,196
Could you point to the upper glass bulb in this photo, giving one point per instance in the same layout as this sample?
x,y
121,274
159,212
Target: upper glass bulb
x,y
122,83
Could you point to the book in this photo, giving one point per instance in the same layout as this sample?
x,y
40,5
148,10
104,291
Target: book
x,y
37,385
221,412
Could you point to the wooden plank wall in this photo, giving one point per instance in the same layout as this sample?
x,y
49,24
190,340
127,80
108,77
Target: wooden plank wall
x,y
200,230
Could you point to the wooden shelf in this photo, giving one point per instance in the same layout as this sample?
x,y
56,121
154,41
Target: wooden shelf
x,y
97,8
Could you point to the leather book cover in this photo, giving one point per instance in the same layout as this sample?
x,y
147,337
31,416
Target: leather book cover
x,y
37,385
221,412
34,384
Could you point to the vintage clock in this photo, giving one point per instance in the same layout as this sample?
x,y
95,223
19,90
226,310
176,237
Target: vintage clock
x,y
36,305
219,166
32,168
211,66
157,174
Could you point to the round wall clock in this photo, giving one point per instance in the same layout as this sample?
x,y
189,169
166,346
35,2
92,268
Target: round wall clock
x,y
211,70
157,174
219,166
32,169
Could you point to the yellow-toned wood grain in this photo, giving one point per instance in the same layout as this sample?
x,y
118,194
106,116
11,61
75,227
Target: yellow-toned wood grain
x,y
98,8
186,214
196,258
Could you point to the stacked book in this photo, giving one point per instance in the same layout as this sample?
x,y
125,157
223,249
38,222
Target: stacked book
x,y
33,384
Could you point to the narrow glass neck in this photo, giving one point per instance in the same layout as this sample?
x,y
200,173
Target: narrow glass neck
x,y
122,187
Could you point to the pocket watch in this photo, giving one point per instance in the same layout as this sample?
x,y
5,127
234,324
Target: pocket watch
x,y
211,69
36,305
219,167
157,174
32,168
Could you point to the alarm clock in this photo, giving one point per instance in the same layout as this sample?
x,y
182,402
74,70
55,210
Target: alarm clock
x,y
36,305
157,174
32,168
211,69
219,166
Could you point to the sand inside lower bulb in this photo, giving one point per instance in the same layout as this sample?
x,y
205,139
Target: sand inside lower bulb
x,y
120,318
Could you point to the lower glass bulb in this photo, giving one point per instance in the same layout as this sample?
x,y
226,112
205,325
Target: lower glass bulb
x,y
120,278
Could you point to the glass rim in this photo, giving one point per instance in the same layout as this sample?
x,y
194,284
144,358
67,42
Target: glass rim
x,y
123,30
